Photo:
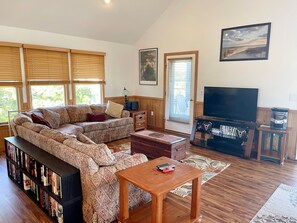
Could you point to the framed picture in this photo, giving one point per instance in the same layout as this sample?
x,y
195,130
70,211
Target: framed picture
x,y
148,66
245,42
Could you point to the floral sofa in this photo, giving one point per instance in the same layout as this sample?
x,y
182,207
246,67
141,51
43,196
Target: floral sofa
x,y
96,162
72,119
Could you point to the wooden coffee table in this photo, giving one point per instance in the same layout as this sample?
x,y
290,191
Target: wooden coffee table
x,y
158,184
154,144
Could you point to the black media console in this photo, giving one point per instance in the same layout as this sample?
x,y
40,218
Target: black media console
x,y
228,136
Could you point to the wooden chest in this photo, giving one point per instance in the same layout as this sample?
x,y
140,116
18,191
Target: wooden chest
x,y
154,145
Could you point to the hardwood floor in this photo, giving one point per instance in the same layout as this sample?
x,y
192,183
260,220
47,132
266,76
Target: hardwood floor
x,y
235,195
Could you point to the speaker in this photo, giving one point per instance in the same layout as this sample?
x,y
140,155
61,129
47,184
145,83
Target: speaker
x,y
131,105
279,118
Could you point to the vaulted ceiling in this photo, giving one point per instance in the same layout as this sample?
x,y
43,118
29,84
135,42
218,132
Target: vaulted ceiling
x,y
122,21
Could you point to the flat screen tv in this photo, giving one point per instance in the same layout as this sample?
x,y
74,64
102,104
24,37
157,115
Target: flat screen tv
x,y
231,103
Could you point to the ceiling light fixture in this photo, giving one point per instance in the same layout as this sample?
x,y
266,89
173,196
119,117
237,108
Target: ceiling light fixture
x,y
107,1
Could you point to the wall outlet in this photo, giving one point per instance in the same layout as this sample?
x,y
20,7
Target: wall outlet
x,y
152,113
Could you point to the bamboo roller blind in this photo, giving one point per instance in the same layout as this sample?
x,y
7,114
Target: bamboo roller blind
x,y
46,65
10,65
87,67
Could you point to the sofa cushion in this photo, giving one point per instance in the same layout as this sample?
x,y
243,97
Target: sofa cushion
x,y
96,117
84,139
125,114
93,126
52,117
112,123
98,109
56,135
20,119
62,111
114,109
99,152
70,129
34,127
78,113
40,120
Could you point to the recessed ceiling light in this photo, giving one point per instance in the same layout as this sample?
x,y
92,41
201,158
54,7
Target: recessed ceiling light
x,y
107,1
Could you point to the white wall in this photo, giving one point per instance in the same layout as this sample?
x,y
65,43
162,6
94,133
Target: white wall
x,y
196,25
118,67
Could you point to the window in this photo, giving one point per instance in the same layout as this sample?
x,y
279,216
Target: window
x,y
47,95
87,93
47,74
88,76
10,78
180,89
8,102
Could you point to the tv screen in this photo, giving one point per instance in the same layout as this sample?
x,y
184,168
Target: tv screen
x,y
231,103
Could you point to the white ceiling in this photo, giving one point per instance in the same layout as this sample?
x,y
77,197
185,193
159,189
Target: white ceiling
x,y
123,21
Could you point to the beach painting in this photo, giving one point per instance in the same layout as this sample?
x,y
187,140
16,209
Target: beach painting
x,y
249,42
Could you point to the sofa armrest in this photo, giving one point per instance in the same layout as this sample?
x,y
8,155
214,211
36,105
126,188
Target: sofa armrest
x,y
106,174
125,114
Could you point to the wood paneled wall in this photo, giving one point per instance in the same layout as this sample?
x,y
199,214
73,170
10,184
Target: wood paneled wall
x,y
154,107
4,132
263,117
155,113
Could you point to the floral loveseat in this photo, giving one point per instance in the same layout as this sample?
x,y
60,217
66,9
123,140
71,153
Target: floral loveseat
x,y
97,165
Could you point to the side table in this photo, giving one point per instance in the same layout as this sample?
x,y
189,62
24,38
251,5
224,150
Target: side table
x,y
158,184
272,144
139,119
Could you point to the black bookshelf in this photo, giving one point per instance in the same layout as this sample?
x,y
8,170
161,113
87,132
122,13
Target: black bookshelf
x,y
51,183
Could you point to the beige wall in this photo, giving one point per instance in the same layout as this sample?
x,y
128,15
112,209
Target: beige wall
x,y
118,67
196,25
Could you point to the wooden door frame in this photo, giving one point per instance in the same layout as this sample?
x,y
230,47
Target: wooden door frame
x,y
166,55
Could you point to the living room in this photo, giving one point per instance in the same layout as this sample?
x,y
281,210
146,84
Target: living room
x,y
181,26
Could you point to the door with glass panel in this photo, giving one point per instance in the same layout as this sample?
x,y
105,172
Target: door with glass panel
x,y
181,76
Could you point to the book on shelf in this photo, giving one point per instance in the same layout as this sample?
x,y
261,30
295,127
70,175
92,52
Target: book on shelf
x,y
22,158
42,197
49,178
12,152
56,184
60,213
42,174
26,182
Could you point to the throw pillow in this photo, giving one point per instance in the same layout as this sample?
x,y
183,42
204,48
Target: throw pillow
x,y
52,117
114,109
96,117
39,120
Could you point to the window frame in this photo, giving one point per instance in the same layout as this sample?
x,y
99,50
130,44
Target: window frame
x,y
100,80
92,83
17,80
65,88
18,99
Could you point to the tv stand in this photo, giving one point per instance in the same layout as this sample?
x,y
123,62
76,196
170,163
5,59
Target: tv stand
x,y
224,135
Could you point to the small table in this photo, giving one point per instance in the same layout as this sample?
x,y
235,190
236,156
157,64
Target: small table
x,y
139,119
272,144
154,144
158,184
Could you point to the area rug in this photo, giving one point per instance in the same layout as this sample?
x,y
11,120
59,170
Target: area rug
x,y
210,167
281,207
124,147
